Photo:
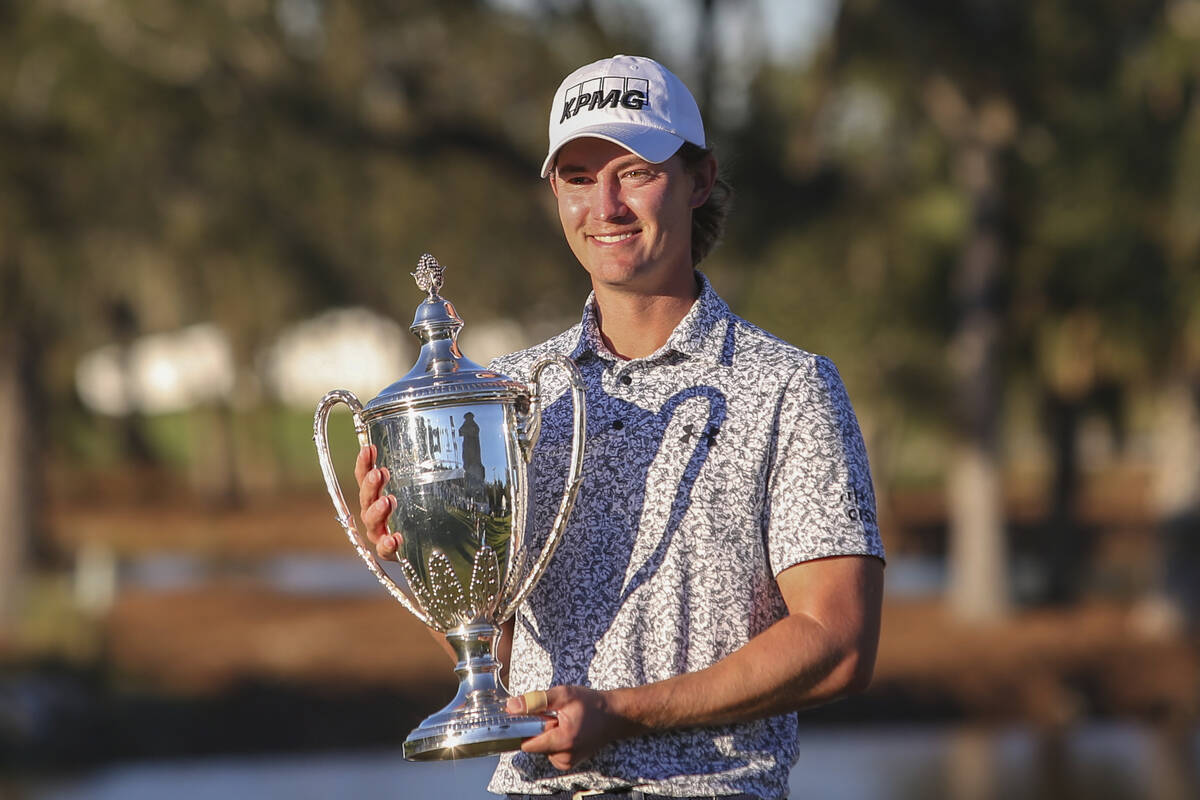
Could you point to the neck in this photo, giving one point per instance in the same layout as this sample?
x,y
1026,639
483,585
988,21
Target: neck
x,y
634,324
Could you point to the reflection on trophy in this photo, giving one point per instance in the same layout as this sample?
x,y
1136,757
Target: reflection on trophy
x,y
457,439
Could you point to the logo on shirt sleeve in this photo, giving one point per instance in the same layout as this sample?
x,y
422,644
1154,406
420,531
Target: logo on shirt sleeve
x,y
858,506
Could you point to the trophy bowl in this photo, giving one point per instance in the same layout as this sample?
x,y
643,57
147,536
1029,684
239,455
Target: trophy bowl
x,y
457,439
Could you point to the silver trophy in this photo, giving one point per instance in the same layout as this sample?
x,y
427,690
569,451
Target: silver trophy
x,y
457,438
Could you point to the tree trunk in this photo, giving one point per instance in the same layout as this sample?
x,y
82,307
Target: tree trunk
x,y
706,60
978,564
1065,550
1176,499
17,475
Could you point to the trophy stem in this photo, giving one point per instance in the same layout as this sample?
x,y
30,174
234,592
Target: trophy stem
x,y
475,723
477,668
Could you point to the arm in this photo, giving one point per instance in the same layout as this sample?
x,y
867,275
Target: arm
x,y
823,649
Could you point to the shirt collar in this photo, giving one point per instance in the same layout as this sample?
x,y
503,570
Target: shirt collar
x,y
700,334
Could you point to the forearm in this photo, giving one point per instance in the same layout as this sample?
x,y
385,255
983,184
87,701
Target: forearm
x,y
794,664
444,644
824,648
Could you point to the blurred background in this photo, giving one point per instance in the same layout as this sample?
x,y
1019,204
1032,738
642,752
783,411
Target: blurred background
x,y
987,214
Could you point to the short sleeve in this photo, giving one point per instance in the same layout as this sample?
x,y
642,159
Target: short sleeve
x,y
820,501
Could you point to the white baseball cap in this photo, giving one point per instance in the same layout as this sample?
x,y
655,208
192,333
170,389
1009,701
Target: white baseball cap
x,y
629,100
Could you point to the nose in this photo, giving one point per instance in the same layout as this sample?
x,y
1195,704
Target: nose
x,y
609,201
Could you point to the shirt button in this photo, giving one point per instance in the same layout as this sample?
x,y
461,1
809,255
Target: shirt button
x,y
626,380
618,424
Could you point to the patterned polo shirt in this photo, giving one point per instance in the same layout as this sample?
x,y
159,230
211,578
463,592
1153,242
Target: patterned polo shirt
x,y
710,466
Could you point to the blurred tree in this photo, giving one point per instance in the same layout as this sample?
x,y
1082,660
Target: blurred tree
x,y
19,422
1094,299
250,162
980,196
1160,82
952,196
896,178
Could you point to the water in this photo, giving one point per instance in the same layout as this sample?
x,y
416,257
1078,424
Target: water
x,y
1096,761
341,575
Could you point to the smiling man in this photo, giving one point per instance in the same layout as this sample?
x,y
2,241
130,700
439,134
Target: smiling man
x,y
722,569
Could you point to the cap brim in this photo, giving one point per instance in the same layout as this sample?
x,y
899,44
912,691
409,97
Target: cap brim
x,y
652,144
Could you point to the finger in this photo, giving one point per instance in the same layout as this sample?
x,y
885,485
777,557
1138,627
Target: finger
x,y
534,701
552,739
557,697
537,701
389,546
372,487
375,517
364,462
368,490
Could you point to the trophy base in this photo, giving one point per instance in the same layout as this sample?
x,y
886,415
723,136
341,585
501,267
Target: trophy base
x,y
475,722
470,735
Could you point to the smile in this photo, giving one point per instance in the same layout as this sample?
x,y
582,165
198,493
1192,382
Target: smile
x,y
613,238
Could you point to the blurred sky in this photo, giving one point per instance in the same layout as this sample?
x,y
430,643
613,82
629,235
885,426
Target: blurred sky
x,y
790,30
786,31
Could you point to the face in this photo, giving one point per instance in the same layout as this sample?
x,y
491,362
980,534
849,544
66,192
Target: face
x,y
629,222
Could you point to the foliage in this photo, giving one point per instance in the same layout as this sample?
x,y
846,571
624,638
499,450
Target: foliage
x,y
253,161
245,163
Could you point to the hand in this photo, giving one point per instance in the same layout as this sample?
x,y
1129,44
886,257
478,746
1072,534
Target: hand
x,y
374,505
586,720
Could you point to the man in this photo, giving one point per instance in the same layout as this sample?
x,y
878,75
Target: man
x,y
722,568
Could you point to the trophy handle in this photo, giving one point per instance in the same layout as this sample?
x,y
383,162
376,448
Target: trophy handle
x,y
321,438
574,473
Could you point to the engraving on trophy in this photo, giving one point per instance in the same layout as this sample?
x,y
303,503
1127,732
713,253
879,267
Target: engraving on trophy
x,y
457,439
485,581
446,599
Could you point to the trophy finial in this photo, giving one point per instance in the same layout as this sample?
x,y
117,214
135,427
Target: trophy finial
x,y
429,275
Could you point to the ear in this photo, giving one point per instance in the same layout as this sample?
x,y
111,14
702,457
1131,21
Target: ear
x,y
705,176
553,178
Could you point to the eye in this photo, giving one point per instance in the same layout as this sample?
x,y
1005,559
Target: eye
x,y
638,175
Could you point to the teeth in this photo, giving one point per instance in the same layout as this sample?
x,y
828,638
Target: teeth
x,y
612,238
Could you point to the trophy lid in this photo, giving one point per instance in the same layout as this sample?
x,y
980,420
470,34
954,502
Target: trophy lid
x,y
442,373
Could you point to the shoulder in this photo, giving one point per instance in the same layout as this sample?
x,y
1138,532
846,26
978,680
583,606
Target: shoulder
x,y
753,349
519,364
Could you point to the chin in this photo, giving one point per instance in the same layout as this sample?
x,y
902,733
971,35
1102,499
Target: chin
x,y
615,277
